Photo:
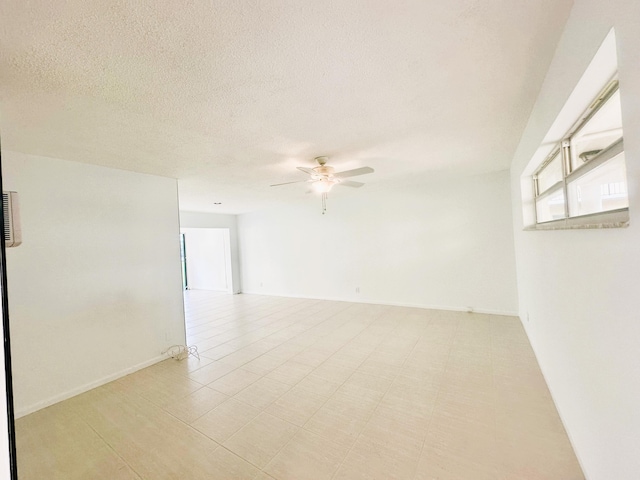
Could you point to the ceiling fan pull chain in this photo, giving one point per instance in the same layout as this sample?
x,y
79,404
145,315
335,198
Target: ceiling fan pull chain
x,y
324,202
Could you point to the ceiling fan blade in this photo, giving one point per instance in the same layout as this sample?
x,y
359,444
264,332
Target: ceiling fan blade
x,y
308,171
287,183
350,183
354,172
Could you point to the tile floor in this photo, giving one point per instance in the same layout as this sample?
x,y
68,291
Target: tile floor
x,y
293,389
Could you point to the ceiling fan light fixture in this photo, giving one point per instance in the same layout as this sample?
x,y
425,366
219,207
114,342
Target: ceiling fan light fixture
x,y
324,185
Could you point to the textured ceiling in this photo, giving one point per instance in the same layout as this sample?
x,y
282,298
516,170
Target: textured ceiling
x,y
230,96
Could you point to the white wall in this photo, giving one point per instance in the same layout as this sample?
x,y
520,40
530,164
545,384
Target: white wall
x,y
208,258
5,452
95,287
443,244
579,289
215,220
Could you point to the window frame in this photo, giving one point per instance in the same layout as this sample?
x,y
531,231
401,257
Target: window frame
x,y
606,219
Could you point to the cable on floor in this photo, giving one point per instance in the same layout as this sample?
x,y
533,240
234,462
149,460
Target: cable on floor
x,y
180,352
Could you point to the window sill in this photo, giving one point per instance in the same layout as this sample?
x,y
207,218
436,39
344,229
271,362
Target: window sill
x,y
613,219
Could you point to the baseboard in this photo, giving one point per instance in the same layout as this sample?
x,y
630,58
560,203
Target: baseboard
x,y
86,387
486,311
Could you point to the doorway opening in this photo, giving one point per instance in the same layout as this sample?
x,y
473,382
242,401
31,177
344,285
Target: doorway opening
x,y
183,262
206,259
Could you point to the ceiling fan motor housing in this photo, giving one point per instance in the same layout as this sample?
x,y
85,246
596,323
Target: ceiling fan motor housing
x,y
324,170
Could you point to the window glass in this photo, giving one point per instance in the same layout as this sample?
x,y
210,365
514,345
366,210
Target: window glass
x,y
550,207
551,174
602,129
602,189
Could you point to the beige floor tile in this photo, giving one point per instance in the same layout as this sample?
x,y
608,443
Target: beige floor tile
x,y
408,426
356,391
243,355
422,377
428,349
226,419
379,368
401,392
524,456
286,351
74,449
470,340
151,441
522,381
526,403
397,345
211,343
380,384
472,391
472,409
473,374
290,372
211,372
235,381
460,438
336,373
416,390
261,439
312,357
369,382
466,365
307,456
318,385
438,465
216,353
416,366
263,476
350,357
193,406
380,457
262,393
264,364
534,423
297,405
158,388
341,419
229,466
509,367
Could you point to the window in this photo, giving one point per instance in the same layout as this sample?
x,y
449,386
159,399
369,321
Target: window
x,y
583,182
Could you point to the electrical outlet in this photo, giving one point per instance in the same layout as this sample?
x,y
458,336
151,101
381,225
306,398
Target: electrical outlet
x,y
357,289
261,284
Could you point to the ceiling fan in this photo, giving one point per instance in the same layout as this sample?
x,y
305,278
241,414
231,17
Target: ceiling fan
x,y
324,177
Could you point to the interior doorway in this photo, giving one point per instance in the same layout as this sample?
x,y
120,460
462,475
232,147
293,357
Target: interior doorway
x,y
206,259
183,262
